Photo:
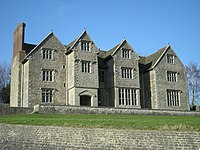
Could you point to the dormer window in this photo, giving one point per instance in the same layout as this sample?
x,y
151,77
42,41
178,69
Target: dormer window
x,y
85,46
47,54
170,59
126,54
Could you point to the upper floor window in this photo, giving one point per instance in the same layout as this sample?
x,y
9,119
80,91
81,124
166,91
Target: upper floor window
x,y
127,73
101,76
126,54
86,66
47,53
47,75
173,98
85,46
171,76
170,59
127,97
47,95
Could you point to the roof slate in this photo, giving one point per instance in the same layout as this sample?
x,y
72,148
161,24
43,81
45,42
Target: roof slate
x,y
28,47
149,61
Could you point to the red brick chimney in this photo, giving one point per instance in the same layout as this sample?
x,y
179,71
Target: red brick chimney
x,y
19,42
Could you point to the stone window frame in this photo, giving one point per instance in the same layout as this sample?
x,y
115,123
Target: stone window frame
x,y
171,76
126,53
173,98
170,59
47,75
85,45
127,97
85,66
47,53
126,73
47,95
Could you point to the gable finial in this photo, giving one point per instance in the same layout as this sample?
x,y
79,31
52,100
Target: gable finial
x,y
168,43
84,28
51,30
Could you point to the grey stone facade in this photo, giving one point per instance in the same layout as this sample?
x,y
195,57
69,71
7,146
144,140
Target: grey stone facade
x,y
80,74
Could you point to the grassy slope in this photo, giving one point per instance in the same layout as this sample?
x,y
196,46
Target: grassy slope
x,y
183,123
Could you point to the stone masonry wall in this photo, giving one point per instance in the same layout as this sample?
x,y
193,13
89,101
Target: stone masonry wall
x,y
96,110
48,137
162,85
5,110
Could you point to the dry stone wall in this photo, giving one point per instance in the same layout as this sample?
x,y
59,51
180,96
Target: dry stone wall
x,y
49,137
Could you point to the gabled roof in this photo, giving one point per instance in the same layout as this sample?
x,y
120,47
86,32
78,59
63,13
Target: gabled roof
x,y
36,46
74,42
152,60
115,49
111,52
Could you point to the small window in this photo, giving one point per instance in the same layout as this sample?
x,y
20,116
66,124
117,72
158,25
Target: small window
x,y
47,53
173,98
47,75
127,73
86,67
171,76
126,54
85,46
47,95
170,59
101,76
63,67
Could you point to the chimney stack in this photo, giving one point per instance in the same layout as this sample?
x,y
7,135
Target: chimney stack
x,y
19,41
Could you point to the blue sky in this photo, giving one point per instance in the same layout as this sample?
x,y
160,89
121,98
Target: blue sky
x,y
148,25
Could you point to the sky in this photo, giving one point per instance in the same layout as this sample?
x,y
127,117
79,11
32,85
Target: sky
x,y
147,25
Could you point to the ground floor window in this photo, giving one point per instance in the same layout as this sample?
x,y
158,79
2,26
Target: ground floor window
x,y
127,97
173,98
47,95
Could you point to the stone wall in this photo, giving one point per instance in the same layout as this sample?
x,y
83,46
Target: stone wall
x,y
5,110
49,137
101,110
162,85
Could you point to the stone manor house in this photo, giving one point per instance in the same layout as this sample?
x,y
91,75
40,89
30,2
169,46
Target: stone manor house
x,y
80,74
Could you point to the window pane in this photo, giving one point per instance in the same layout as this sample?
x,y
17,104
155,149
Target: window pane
x,y
126,73
86,67
173,98
127,97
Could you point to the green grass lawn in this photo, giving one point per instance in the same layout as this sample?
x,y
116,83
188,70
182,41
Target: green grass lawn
x,y
136,122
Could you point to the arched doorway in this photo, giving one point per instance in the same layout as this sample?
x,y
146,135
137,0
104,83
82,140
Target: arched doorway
x,y
85,100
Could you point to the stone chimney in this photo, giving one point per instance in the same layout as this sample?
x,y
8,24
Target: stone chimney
x,y
19,42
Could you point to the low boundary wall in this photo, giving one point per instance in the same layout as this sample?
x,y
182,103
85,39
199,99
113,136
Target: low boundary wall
x,y
101,110
6,110
49,137
44,109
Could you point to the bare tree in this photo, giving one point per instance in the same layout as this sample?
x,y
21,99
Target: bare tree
x,y
193,74
4,82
